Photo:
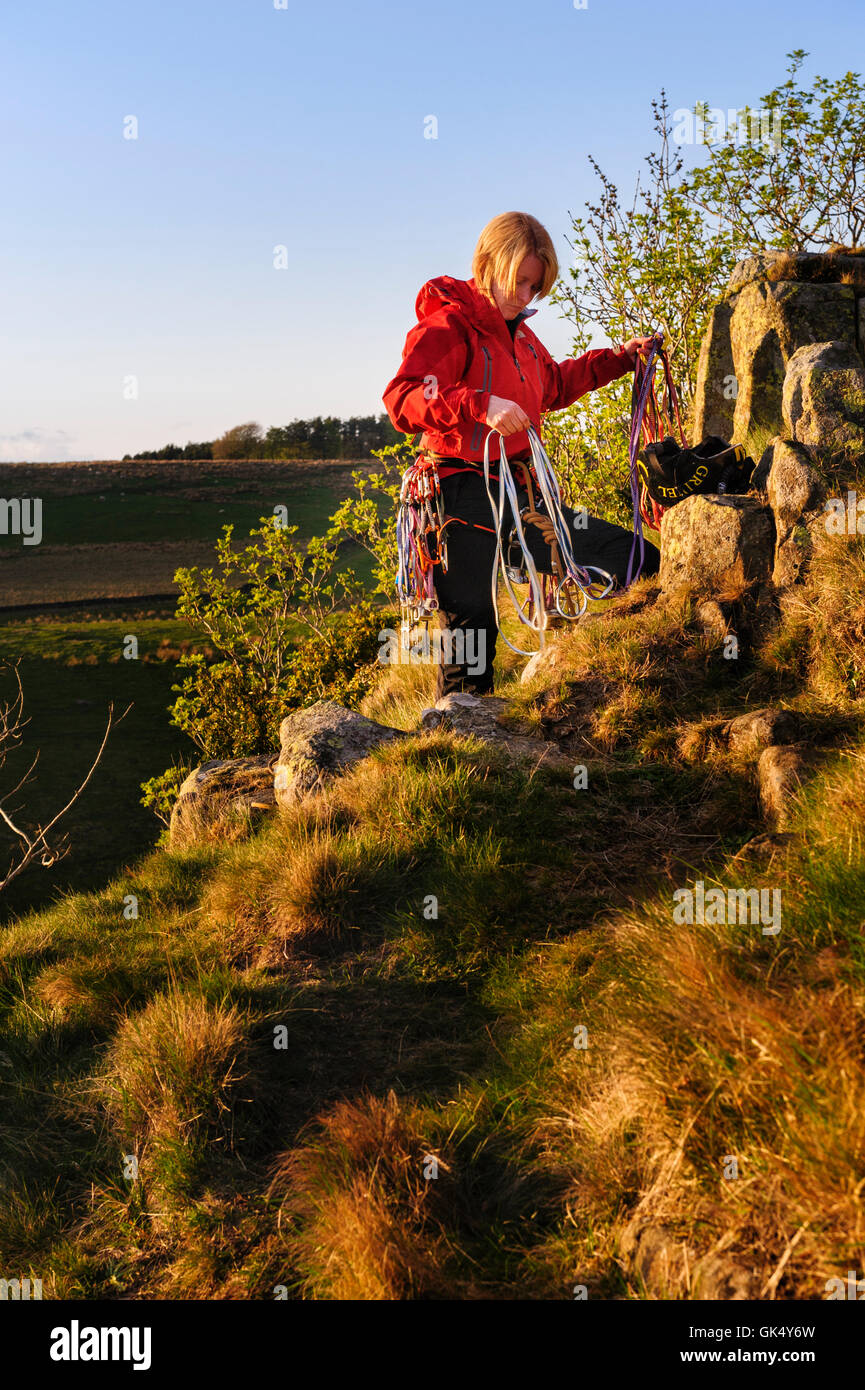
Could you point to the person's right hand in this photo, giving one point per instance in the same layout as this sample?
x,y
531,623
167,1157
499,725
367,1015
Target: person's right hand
x,y
506,416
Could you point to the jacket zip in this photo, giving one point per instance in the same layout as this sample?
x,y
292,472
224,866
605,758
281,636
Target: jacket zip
x,y
487,385
537,366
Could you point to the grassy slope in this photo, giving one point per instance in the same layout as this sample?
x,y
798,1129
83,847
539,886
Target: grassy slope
x,y
285,1035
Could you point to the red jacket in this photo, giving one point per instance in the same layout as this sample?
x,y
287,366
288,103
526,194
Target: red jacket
x,y
460,352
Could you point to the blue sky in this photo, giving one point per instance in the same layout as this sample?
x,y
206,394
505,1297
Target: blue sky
x,y
152,259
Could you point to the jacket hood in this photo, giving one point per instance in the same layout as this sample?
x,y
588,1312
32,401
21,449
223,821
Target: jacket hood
x,y
479,310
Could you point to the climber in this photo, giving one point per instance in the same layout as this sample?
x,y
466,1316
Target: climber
x,y
470,365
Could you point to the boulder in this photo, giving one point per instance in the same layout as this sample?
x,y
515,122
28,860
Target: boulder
x,y
218,790
552,659
770,322
716,543
653,1254
824,397
666,1264
319,742
749,733
752,268
713,619
480,716
815,266
766,846
720,1279
796,495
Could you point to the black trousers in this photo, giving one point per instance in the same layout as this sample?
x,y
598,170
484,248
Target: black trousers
x,y
465,591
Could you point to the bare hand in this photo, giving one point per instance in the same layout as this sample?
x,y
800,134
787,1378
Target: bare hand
x,y
506,416
641,346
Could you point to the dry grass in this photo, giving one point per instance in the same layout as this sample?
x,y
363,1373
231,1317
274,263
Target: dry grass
x,y
822,269
89,991
629,678
315,897
367,1222
172,1080
454,1036
399,697
821,639
706,1044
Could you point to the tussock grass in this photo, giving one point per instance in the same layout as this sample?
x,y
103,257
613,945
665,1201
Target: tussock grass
x,y
822,269
367,1224
835,601
171,1082
631,677
399,697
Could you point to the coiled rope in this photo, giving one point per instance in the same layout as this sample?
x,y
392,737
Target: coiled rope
x,y
570,582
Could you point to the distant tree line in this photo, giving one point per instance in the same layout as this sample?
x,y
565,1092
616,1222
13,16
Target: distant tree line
x,y
323,438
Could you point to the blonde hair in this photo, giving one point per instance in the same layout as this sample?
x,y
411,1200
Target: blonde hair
x,y
503,244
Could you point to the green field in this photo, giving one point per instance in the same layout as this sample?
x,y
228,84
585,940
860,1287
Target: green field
x,y
91,519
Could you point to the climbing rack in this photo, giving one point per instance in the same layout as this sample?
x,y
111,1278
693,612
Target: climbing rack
x,y
421,544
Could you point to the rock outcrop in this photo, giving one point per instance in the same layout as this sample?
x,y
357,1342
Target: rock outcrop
x,y
775,305
781,771
480,716
783,352
220,789
823,400
715,544
750,733
666,1265
796,495
319,742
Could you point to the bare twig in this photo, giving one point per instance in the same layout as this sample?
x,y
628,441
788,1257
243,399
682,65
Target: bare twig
x,y
35,842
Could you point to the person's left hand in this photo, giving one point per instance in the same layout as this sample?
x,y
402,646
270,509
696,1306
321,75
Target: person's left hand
x,y
641,345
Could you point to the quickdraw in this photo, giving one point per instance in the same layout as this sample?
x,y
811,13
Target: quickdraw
x,y
420,515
